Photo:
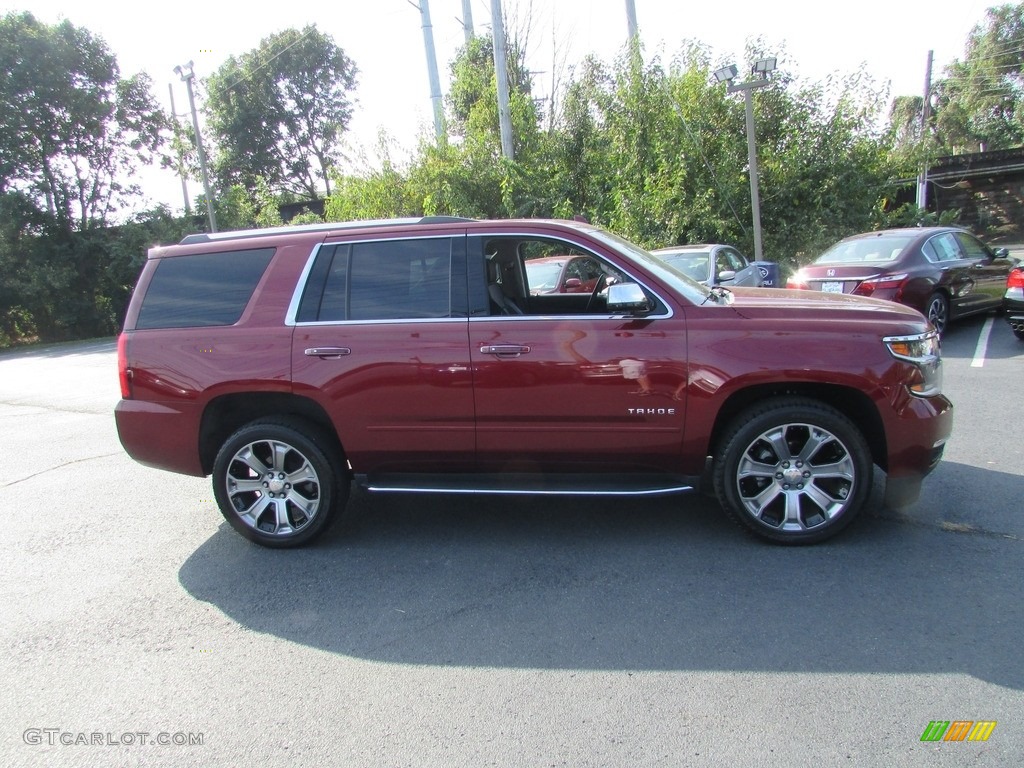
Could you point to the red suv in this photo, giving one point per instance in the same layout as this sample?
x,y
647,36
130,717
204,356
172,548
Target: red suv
x,y
411,355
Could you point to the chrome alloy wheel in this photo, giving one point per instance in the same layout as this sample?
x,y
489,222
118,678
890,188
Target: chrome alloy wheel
x,y
273,488
796,477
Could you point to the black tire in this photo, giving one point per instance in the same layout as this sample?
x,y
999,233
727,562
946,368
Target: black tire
x,y
937,311
280,482
792,470
1018,334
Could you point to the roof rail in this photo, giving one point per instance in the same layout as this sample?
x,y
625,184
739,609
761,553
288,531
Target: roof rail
x,y
444,220
239,234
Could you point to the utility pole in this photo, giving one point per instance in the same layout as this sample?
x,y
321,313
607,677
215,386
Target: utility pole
x,y
467,20
631,20
435,81
181,159
922,179
187,73
501,75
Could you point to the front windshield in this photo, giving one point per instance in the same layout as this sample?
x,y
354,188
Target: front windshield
x,y
693,264
691,289
881,249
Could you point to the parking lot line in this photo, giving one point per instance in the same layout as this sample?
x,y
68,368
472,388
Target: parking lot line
x,y
982,348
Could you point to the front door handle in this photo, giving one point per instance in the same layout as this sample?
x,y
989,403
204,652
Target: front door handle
x,y
504,350
328,353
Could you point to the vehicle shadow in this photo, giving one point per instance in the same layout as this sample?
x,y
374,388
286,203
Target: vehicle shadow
x,y
666,584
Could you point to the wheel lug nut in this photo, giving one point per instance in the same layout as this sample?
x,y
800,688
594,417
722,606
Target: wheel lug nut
x,y
807,474
287,486
785,465
785,487
800,486
778,475
266,484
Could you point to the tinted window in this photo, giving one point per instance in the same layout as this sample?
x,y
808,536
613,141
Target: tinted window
x,y
944,248
202,290
390,280
972,248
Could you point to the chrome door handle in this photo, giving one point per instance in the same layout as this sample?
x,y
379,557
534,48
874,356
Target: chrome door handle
x,y
504,350
328,352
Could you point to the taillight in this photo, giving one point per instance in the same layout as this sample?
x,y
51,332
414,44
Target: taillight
x,y
1016,278
796,281
123,374
885,282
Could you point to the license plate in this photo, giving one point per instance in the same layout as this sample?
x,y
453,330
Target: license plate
x,y
832,287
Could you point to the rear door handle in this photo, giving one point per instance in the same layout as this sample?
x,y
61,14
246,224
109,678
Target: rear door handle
x,y
504,350
328,353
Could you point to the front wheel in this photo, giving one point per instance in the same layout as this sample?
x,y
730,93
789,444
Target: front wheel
x,y
937,312
280,483
793,471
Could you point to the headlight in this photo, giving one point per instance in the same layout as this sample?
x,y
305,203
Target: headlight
x,y
922,350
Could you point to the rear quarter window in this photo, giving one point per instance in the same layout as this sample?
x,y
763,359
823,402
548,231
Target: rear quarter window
x,y
202,290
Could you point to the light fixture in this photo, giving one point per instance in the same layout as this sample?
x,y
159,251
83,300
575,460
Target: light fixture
x,y
185,71
764,66
726,74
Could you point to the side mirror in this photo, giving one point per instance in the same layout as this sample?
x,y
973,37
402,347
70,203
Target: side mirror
x,y
627,298
572,282
1001,253
726,274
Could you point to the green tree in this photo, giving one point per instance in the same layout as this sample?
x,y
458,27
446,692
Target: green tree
x,y
72,130
279,112
980,102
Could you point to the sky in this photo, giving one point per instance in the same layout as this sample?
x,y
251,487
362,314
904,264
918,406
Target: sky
x,y
384,38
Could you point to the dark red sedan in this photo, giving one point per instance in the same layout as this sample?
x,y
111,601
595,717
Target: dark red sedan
x,y
943,272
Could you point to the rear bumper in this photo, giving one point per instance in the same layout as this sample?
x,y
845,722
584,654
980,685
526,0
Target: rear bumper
x,y
159,435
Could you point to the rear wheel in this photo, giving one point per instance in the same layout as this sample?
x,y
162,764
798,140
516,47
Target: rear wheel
x,y
937,312
280,483
793,470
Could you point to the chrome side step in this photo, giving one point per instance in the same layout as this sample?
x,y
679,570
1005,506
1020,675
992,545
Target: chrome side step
x,y
529,484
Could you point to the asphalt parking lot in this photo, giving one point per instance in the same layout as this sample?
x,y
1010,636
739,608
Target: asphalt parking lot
x,y
138,629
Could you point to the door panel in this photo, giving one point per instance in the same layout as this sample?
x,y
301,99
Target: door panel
x,y
396,392
381,343
562,394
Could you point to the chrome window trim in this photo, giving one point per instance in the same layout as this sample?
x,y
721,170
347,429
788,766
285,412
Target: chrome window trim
x,y
386,321
300,287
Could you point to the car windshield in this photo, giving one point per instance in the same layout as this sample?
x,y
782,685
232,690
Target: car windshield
x,y
877,249
543,276
693,264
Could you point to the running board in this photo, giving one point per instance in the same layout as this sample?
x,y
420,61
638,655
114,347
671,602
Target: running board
x,y
530,484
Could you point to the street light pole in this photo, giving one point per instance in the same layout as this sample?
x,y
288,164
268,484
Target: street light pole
x,y
755,196
186,73
726,74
